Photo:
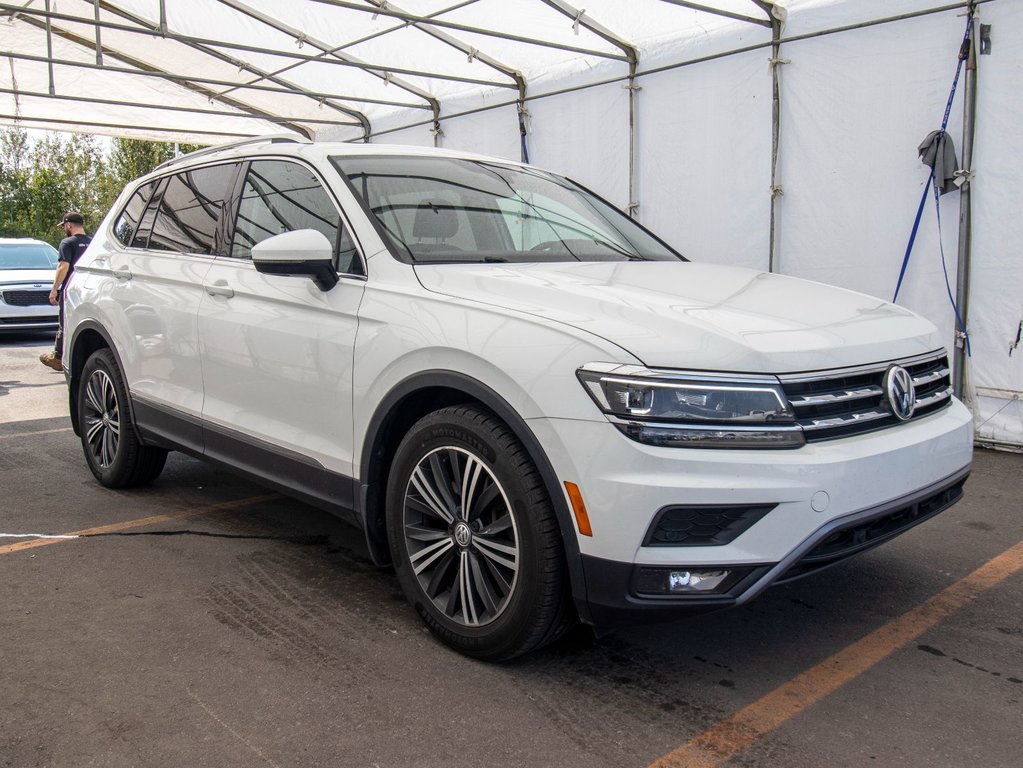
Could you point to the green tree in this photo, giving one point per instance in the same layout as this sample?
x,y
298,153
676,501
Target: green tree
x,y
15,198
131,158
41,180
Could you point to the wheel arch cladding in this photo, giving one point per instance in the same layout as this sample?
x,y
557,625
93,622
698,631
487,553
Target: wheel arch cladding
x,y
411,400
89,337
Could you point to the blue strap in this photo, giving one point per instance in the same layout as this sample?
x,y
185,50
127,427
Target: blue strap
x,y
912,236
964,53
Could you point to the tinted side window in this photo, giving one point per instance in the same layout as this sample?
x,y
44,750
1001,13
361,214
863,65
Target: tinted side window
x,y
279,196
145,227
127,222
189,217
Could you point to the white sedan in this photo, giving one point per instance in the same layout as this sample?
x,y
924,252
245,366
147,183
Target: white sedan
x,y
27,268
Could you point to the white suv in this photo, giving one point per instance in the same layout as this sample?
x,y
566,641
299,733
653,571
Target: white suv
x,y
537,411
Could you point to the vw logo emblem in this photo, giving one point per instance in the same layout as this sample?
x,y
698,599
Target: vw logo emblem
x,y
898,387
462,535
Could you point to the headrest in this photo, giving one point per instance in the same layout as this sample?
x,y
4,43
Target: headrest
x,y
438,221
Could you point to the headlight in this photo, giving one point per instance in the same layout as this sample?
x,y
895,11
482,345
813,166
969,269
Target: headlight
x,y
693,410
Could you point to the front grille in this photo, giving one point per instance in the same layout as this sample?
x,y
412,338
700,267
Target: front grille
x,y
40,320
860,536
26,298
844,402
702,526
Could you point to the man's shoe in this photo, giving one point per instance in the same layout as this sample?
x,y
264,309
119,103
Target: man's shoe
x,y
50,360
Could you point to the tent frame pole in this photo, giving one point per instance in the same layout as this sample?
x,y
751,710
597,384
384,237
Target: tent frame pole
x,y
964,265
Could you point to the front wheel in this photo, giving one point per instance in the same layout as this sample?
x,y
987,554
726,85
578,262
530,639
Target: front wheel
x,y
473,536
113,451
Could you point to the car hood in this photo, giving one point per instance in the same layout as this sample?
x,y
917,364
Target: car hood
x,y
698,316
42,276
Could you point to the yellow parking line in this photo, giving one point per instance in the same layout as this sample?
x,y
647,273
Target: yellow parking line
x,y
31,434
725,740
138,523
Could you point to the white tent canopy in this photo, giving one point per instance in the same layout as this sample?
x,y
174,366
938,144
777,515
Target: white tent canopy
x,y
775,135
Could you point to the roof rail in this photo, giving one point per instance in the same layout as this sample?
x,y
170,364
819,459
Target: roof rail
x,y
275,138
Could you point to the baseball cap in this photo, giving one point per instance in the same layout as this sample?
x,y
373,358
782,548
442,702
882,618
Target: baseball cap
x,y
72,217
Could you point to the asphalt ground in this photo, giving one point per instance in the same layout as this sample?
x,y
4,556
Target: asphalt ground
x,y
206,622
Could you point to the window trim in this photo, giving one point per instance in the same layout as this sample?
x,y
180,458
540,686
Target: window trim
x,y
400,254
221,227
345,221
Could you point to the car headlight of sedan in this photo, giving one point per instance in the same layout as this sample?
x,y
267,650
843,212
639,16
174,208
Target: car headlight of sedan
x,y
693,410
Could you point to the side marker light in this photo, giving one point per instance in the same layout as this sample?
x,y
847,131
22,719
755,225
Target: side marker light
x,y
582,520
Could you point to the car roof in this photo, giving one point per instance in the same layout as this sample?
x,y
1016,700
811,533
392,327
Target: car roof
x,y
294,147
23,241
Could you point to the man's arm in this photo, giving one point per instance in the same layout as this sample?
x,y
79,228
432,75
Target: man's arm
x,y
58,280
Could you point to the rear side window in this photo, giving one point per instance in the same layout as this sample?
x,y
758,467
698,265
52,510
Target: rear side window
x,y
189,218
127,223
279,196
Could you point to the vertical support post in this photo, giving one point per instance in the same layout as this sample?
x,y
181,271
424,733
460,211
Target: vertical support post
x,y
163,18
776,189
99,43
523,114
49,48
633,182
963,267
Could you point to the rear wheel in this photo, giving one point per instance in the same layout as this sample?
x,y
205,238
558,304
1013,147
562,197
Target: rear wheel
x,y
113,451
473,536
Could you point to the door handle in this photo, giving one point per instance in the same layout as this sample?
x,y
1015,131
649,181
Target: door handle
x,y
220,288
122,274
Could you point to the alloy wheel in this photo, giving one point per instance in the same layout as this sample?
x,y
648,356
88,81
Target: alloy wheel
x,y
461,537
102,418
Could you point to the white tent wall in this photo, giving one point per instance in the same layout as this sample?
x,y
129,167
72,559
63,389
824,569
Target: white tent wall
x,y
705,158
855,106
494,132
996,285
584,135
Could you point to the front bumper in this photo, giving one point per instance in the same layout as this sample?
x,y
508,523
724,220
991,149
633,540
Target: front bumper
x,y
801,498
614,596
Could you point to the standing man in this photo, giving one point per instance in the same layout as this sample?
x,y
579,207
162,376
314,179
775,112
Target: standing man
x,y
71,248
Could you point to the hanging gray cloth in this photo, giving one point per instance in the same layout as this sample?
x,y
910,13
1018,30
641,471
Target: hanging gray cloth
x,y
938,152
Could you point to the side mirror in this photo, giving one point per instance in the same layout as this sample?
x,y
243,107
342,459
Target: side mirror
x,y
301,252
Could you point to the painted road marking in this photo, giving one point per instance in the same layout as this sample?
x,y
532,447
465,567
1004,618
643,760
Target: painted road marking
x,y
725,740
31,434
138,523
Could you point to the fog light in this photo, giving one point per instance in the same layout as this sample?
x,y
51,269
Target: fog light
x,y
695,581
683,581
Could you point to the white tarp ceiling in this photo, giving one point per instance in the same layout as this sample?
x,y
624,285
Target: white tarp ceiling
x,y
665,107
228,68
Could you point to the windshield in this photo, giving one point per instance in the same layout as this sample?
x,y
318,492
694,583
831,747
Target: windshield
x,y
439,209
27,256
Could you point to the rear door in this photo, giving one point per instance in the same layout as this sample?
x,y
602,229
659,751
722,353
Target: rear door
x,y
170,246
276,351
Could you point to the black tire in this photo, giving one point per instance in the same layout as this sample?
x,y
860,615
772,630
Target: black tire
x,y
113,451
503,544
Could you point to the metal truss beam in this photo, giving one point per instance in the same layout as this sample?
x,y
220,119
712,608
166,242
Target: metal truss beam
x,y
188,81
580,18
474,55
367,128
413,19
329,51
135,68
18,119
168,108
719,12
300,58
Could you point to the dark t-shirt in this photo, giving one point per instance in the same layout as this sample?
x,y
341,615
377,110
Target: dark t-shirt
x,y
70,249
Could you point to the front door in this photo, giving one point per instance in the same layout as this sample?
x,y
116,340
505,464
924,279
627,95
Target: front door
x,y
276,351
